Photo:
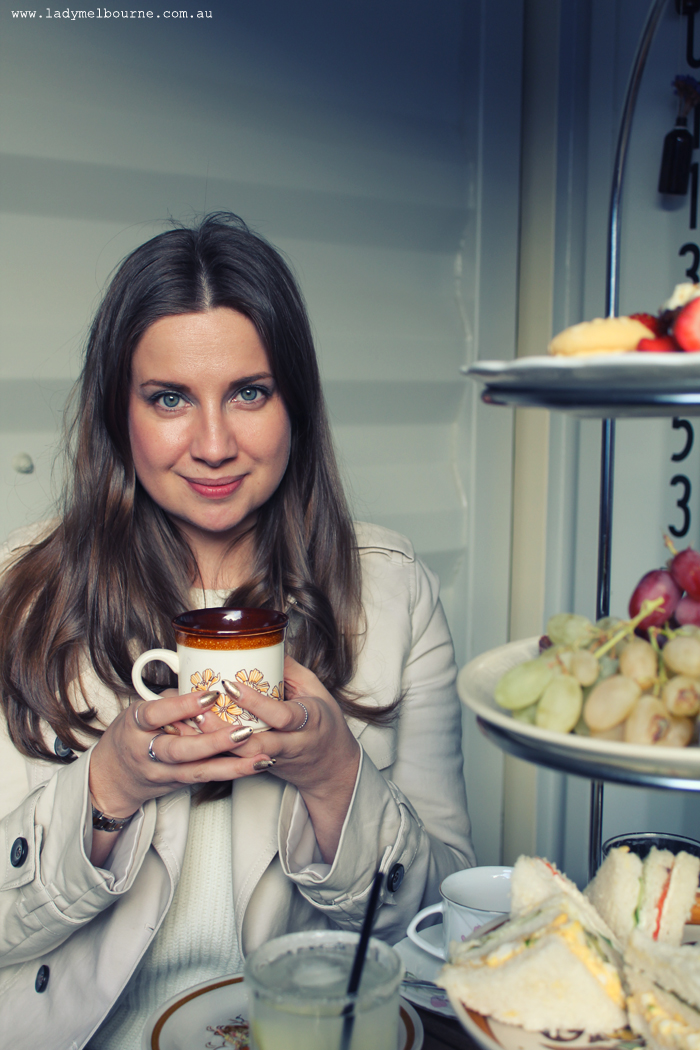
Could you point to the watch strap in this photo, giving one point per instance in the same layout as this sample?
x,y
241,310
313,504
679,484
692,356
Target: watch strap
x,y
102,822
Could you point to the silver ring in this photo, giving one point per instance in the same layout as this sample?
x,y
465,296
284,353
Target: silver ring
x,y
135,710
151,753
306,716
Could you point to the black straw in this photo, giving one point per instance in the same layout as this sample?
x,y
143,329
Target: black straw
x,y
359,960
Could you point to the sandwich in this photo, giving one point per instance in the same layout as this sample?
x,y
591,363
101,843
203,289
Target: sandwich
x,y
534,880
655,896
546,969
664,992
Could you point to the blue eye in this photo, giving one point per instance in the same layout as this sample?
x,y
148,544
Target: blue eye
x,y
249,393
170,400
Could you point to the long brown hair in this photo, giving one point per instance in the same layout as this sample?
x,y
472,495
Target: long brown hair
x,y
105,582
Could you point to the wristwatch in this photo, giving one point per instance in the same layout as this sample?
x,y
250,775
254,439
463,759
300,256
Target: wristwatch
x,y
102,822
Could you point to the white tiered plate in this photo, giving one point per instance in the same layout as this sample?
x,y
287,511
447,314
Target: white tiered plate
x,y
603,385
568,752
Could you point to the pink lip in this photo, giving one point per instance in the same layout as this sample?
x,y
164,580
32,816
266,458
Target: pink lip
x,y
214,488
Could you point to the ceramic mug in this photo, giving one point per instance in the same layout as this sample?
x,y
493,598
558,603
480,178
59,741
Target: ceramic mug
x,y
470,898
242,645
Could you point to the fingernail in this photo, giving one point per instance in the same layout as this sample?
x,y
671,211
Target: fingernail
x,y
207,699
231,689
239,735
199,719
264,763
171,730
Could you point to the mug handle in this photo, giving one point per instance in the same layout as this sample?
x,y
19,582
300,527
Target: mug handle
x,y
412,931
166,655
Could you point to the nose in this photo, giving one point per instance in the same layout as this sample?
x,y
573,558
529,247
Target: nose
x,y
214,441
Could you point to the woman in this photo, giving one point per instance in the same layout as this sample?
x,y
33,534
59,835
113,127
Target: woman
x,y
202,473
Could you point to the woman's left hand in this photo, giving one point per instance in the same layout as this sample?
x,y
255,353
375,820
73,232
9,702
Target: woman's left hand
x,y
321,760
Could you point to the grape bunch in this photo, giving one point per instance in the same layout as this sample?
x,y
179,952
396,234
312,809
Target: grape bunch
x,y
603,680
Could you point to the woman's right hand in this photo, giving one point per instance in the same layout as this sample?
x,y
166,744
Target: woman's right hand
x,y
123,776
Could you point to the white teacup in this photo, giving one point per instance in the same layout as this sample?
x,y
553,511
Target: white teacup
x,y
470,899
242,645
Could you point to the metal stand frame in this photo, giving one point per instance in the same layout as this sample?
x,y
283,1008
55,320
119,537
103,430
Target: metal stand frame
x,y
607,461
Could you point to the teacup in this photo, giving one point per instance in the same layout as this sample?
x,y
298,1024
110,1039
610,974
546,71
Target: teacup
x,y
243,645
470,899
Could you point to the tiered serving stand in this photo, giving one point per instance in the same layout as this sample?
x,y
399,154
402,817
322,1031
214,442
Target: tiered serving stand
x,y
609,388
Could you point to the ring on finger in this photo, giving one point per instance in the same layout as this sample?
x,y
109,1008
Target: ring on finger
x,y
306,716
136,709
151,753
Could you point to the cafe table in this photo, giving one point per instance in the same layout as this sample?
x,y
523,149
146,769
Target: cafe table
x,y
443,1033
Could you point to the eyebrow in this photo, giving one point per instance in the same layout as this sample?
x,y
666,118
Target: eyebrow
x,y
185,389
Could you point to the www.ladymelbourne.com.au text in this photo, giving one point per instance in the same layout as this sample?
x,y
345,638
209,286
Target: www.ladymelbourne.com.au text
x,y
108,13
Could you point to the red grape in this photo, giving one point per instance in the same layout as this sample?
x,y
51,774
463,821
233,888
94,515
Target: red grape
x,y
659,583
688,611
685,569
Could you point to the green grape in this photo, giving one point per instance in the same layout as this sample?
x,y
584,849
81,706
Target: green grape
x,y
523,685
638,661
570,629
560,706
526,714
610,702
681,695
682,655
584,667
608,624
608,666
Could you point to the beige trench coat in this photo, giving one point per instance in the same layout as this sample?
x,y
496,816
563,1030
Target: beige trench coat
x,y
408,808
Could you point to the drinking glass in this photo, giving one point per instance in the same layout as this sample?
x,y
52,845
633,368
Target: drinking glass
x,y
297,993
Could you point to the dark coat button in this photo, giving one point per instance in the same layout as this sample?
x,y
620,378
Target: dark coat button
x,y
394,878
18,853
61,750
42,978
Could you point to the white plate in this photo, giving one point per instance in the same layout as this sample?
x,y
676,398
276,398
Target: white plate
x,y
659,373
421,971
201,1017
601,759
492,1035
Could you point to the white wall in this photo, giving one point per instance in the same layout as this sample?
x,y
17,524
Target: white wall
x,y
377,144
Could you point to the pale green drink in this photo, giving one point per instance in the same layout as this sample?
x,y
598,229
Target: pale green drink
x,y
297,993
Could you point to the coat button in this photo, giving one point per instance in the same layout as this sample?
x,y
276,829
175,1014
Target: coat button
x,y
61,750
18,853
42,978
394,878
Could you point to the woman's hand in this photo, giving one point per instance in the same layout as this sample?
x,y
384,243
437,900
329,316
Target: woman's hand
x,y
123,775
321,759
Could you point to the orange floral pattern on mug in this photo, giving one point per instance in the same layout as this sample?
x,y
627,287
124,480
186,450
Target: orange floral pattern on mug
x,y
203,680
277,691
254,679
229,710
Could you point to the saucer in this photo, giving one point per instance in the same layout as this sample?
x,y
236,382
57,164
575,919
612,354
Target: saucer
x,y
421,971
214,1016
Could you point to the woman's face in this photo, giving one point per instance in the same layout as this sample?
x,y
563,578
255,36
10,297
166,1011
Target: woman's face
x,y
209,432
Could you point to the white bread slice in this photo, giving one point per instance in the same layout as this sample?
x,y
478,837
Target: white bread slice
x,y
614,891
667,894
677,969
680,898
544,970
664,1020
534,880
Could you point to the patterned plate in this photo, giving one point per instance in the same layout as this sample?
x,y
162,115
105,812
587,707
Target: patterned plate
x,y
214,1016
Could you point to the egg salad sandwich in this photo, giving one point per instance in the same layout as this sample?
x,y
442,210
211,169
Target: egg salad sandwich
x,y
548,968
664,992
655,896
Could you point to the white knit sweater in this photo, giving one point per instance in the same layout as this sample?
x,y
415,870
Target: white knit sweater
x,y
197,940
